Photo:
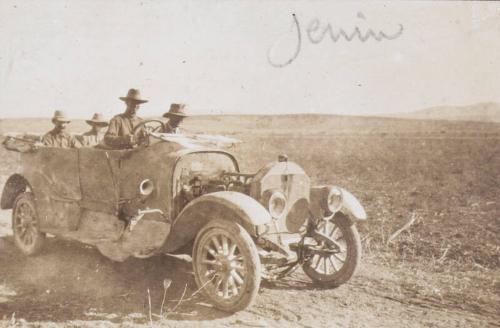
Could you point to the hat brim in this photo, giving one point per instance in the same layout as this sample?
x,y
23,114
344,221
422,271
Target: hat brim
x,y
100,123
174,114
139,101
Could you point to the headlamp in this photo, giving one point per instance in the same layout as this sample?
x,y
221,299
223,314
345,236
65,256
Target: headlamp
x,y
276,202
334,199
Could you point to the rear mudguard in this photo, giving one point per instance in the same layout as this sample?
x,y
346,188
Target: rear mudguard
x,y
15,185
227,205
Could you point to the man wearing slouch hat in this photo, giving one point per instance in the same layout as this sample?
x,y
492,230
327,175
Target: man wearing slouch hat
x,y
58,137
120,134
175,116
95,135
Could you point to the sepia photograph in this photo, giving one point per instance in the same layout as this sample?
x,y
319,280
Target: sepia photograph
x,y
281,163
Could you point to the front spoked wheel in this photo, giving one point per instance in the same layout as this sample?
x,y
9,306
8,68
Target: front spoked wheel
x,y
27,236
332,261
226,265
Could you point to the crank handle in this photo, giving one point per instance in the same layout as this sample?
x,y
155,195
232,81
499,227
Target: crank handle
x,y
149,211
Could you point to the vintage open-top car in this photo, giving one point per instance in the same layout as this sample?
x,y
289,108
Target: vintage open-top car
x,y
175,194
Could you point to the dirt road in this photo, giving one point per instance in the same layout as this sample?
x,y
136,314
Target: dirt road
x,y
73,285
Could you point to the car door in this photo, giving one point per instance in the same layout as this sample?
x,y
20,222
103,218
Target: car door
x,y
55,181
99,170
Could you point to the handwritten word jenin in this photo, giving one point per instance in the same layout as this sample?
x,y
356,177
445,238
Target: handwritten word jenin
x,y
316,33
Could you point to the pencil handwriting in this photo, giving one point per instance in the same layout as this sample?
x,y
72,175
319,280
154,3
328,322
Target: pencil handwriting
x,y
316,32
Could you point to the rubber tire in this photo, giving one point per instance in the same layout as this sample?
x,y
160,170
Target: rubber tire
x,y
39,238
353,244
252,257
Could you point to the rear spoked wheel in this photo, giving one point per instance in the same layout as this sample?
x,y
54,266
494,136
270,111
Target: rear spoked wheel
x,y
226,265
332,263
27,236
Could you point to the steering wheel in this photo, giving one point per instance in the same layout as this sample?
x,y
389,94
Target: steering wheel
x,y
143,129
229,181
148,127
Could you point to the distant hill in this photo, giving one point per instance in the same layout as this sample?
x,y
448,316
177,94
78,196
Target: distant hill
x,y
481,112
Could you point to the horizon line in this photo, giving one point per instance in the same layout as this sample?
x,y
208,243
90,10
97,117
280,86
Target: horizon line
x,y
378,114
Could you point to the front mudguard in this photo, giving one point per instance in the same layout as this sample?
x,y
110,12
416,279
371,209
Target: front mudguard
x,y
351,206
226,205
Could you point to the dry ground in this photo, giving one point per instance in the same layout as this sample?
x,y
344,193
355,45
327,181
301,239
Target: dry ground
x,y
443,272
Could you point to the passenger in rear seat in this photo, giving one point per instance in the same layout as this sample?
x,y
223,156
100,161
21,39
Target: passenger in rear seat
x,y
95,135
58,137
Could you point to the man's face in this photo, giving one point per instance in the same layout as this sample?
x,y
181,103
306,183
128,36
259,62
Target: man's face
x,y
97,128
132,107
175,121
60,126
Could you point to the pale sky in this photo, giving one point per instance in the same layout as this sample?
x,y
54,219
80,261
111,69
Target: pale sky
x,y
81,55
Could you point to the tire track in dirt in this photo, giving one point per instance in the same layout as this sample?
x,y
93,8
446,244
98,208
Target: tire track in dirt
x,y
117,291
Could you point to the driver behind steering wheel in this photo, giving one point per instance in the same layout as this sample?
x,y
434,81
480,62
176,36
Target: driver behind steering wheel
x,y
120,134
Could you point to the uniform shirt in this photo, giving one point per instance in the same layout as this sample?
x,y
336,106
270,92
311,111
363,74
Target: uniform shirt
x,y
170,129
59,139
120,127
91,138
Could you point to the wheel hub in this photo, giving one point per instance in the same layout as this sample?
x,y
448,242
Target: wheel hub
x,y
225,264
323,250
24,220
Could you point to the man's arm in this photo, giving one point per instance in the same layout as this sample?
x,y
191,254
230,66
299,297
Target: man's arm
x,y
112,137
48,141
75,142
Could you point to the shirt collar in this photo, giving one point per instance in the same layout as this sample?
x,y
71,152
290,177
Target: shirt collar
x,y
54,132
128,115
